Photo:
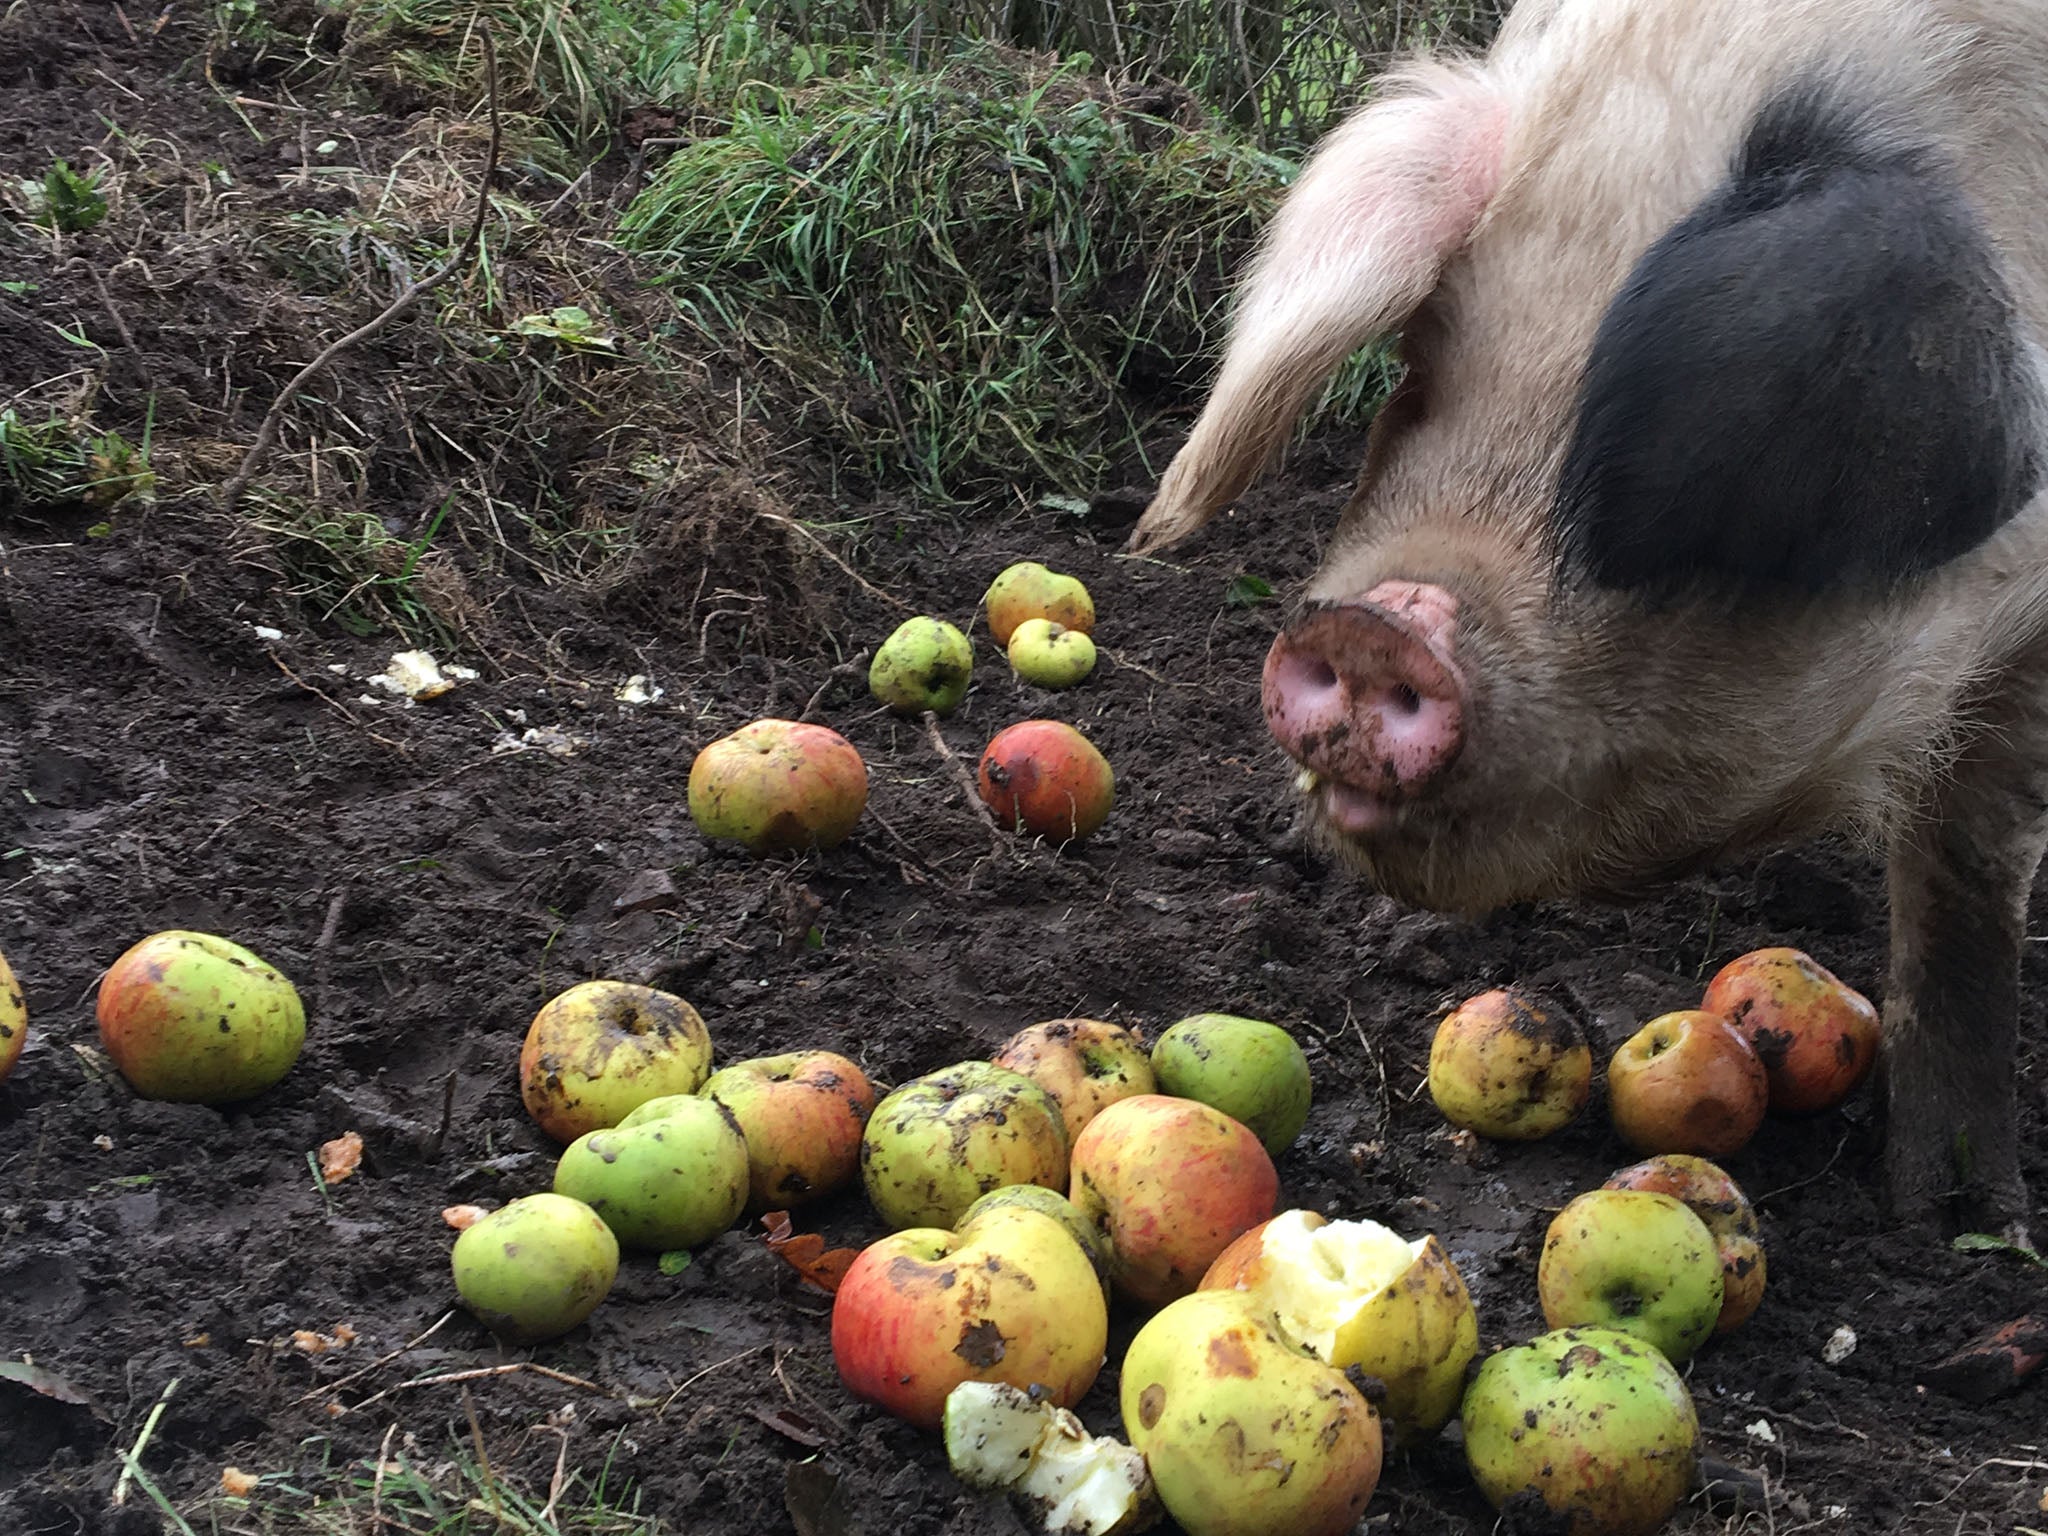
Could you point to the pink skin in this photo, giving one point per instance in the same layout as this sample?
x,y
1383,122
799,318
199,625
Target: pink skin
x,y
1367,695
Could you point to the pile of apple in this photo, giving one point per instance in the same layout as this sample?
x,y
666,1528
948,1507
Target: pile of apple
x,y
776,785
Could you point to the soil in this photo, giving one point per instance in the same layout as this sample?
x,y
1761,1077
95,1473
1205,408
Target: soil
x,y
164,764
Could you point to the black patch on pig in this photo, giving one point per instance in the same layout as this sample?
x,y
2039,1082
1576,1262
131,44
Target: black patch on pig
x,y
1814,381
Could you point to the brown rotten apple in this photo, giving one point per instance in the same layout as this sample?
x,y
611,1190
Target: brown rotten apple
x,y
1816,1036
1687,1082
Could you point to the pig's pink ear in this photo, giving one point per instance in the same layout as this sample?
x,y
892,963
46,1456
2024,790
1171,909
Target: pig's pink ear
x,y
1381,206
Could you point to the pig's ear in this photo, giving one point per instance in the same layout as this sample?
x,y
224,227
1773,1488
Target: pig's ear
x,y
1815,381
1358,244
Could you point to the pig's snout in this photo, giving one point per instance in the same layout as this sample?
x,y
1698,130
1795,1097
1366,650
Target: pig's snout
x,y
1365,694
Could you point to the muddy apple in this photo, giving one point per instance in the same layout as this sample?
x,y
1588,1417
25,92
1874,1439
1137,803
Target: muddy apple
x,y
1050,655
1356,1294
1251,1070
1816,1037
1718,1201
13,1020
925,665
534,1269
1687,1082
777,785
1084,1064
1171,1183
670,1182
1246,1434
197,1019
940,1142
1078,1484
1639,1262
1008,1297
1508,1069
803,1114
1049,1202
1048,779
1594,1423
602,1049
1027,590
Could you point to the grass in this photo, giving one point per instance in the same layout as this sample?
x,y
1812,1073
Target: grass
x,y
56,461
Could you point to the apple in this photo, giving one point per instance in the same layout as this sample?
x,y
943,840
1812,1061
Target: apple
x,y
197,1019
1358,1295
1078,1484
1027,590
1050,1202
534,1269
603,1048
671,1182
1170,1182
803,1114
1084,1064
13,1020
1048,779
941,1141
1007,1297
1246,1434
778,784
1816,1036
1049,654
1594,1423
924,665
1508,1069
1636,1261
1718,1201
1251,1070
1687,1082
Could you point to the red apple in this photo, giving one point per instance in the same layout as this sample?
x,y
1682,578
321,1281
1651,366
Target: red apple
x,y
1170,1182
1048,779
803,1114
1010,1297
1717,1200
197,1019
600,1050
1687,1082
1816,1036
13,1020
778,784
1085,1064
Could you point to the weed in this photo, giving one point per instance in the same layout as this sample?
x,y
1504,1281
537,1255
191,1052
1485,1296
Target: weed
x,y
60,462
64,200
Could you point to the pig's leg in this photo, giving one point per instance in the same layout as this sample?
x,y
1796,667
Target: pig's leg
x,y
1960,877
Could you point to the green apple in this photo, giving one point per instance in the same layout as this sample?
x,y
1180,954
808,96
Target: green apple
x,y
941,1141
1251,1070
1049,654
924,665
1635,1261
601,1049
1245,1433
1593,1422
1509,1069
536,1268
197,1019
1050,1202
673,1181
13,1020
1027,590
778,785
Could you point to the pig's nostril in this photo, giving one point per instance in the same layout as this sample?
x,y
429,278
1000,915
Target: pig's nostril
x,y
1406,700
1319,674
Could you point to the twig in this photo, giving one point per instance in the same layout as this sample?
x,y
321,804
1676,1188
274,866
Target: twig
x,y
120,325
826,550
440,1137
266,436
131,1459
452,1377
381,1361
323,946
844,669
338,707
384,1460
966,780
1786,1189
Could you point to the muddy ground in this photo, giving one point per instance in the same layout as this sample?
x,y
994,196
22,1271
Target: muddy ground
x,y
164,764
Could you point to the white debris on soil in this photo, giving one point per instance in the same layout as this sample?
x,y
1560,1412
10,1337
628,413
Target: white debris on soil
x,y
639,689
1840,1346
1761,1430
551,739
265,632
415,676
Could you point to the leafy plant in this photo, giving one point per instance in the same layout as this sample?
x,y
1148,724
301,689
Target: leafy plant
x,y
64,200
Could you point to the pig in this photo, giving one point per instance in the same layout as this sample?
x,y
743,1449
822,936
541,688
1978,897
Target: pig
x,y
1707,514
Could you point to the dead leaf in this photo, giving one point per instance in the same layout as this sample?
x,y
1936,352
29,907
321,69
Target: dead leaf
x,y
792,1425
47,1382
306,1340
463,1217
340,1157
199,1341
806,1253
236,1483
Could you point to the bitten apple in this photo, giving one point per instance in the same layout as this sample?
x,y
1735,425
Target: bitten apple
x,y
603,1048
925,664
1079,1484
1027,590
1246,1434
1594,1423
1008,1297
671,1182
1251,1070
1687,1082
803,1114
194,1018
1816,1036
13,1020
1171,1183
1050,655
535,1268
1356,1294
941,1141
1718,1201
775,785
1508,1069
1048,779
1639,1262
1085,1064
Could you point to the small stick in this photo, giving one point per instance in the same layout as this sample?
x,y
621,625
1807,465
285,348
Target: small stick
x,y
825,549
440,1137
453,1377
844,669
131,1459
381,1361
966,779
383,1460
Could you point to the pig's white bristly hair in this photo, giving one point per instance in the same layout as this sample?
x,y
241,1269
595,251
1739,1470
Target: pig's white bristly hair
x,y
1357,245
